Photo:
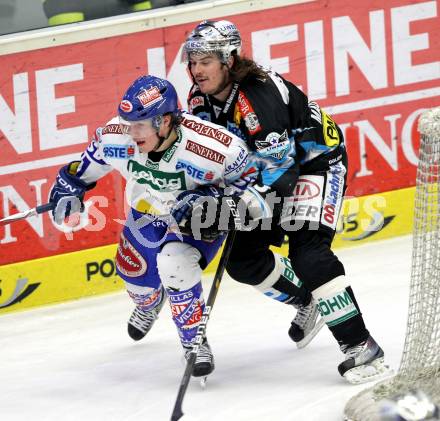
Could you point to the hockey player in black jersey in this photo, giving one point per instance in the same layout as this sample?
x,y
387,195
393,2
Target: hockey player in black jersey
x,y
302,159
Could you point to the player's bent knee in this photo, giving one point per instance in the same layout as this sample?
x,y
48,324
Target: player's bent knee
x,y
178,266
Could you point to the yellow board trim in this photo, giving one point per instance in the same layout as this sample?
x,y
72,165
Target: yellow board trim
x,y
89,272
145,5
64,18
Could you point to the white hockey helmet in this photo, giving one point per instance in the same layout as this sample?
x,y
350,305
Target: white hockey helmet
x,y
221,37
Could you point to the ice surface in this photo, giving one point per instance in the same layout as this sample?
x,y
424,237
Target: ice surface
x,y
75,361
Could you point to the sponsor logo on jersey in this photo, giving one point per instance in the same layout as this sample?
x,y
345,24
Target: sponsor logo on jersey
x,y
275,145
128,260
197,101
112,129
126,106
169,153
248,113
205,130
148,97
157,180
306,189
239,164
118,151
194,171
151,164
204,152
305,203
333,195
331,135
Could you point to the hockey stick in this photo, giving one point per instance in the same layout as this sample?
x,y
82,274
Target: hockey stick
x,y
30,212
201,330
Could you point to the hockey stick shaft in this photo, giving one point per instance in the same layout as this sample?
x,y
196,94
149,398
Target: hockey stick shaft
x,y
31,212
201,330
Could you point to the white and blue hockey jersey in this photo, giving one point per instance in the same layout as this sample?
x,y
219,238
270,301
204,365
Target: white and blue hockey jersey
x,y
204,153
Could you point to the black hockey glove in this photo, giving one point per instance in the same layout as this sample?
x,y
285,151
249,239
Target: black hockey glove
x,y
206,212
67,193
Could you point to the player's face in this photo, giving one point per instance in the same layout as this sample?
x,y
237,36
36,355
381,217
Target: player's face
x,y
210,74
142,132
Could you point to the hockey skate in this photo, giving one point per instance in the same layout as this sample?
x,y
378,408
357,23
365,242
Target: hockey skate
x,y
363,362
141,322
204,364
305,326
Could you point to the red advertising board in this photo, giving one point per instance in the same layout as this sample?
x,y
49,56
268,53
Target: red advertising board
x,y
374,65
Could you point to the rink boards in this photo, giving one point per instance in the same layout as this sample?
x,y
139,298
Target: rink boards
x,y
59,84
92,271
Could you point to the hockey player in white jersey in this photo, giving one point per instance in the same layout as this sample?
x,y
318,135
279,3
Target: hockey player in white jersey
x,y
164,155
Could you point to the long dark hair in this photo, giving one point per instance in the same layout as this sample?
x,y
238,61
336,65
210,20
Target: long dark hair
x,y
244,67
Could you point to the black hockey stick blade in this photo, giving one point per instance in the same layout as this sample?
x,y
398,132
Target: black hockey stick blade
x,y
26,214
201,330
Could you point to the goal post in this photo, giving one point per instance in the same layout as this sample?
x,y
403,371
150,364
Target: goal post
x,y
420,363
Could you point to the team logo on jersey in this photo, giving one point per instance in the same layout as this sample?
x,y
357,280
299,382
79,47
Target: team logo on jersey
x,y
275,145
148,97
118,151
209,131
205,152
248,113
157,180
126,106
128,260
194,171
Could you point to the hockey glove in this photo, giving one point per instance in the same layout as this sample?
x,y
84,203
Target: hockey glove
x,y
199,208
67,193
210,211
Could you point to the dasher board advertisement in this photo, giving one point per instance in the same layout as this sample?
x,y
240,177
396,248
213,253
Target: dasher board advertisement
x,y
375,66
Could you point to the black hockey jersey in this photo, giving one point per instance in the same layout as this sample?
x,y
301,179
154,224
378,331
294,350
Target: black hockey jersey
x,y
288,134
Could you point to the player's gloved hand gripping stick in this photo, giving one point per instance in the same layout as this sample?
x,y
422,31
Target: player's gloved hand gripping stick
x,y
66,197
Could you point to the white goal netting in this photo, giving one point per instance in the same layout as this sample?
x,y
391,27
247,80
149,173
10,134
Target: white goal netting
x,y
420,364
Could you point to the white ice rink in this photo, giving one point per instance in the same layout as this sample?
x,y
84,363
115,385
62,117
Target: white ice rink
x,y
75,361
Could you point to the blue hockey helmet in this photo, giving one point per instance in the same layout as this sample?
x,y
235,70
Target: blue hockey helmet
x,y
148,97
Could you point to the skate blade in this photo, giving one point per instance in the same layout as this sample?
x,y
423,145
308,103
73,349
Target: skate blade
x,y
203,382
309,337
376,370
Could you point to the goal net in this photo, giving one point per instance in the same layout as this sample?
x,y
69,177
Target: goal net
x,y
420,364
